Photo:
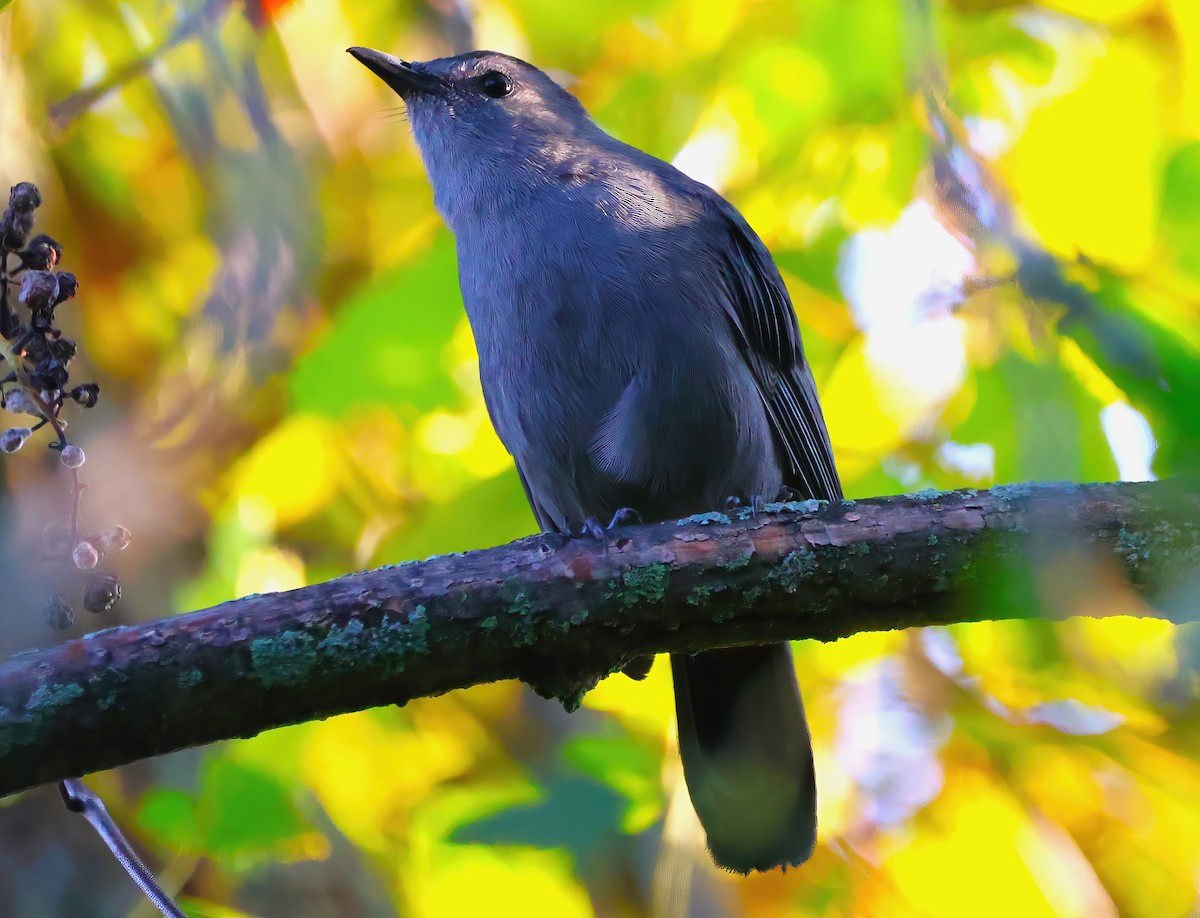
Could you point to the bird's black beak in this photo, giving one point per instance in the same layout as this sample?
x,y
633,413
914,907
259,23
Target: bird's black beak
x,y
401,76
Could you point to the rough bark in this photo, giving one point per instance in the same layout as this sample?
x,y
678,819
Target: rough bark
x,y
562,614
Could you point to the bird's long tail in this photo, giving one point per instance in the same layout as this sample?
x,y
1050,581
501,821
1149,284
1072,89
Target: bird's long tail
x,y
747,755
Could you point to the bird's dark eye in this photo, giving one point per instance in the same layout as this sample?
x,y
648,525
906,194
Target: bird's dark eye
x,y
496,84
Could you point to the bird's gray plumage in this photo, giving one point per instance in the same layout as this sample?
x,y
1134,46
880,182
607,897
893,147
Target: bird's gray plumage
x,y
637,348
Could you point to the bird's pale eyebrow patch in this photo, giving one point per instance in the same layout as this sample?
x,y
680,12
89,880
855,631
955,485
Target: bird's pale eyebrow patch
x,y
563,78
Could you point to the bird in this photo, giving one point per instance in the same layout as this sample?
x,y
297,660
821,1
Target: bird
x,y
638,350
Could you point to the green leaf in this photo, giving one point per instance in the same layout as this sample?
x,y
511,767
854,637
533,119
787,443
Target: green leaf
x,y
1179,209
1040,421
170,816
246,814
491,513
1154,364
386,344
576,814
629,765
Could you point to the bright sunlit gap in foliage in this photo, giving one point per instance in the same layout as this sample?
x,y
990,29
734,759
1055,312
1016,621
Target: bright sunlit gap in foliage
x,y
1131,439
911,358
976,461
713,153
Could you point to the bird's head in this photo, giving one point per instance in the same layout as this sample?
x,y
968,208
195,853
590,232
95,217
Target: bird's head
x,y
484,111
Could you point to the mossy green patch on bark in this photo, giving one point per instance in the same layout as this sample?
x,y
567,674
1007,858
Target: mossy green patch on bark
x,y
289,658
704,519
44,704
642,584
282,659
736,564
927,494
520,605
49,697
794,569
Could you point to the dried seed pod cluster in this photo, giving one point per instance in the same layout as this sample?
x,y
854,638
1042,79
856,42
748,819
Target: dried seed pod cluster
x,y
38,354
35,381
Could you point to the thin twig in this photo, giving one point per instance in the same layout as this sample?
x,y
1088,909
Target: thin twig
x,y
457,20
77,489
67,110
79,798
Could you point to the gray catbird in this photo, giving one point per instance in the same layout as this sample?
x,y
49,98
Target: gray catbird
x,y
637,349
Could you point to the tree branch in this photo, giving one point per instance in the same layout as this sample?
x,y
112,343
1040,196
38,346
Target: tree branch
x,y
560,614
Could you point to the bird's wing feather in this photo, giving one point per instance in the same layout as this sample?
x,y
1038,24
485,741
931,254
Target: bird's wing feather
x,y
761,313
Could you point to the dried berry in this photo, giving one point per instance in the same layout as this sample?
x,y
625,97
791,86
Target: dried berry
x,y
13,439
15,228
85,556
116,539
42,254
63,350
73,457
18,401
68,286
39,289
24,198
102,593
42,320
49,375
58,614
86,395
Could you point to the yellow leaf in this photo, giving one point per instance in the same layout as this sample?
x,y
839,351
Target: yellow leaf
x,y
1085,171
972,859
367,772
499,883
646,706
1101,10
294,469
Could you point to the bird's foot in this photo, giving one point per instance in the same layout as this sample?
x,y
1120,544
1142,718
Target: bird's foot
x,y
755,503
592,528
625,516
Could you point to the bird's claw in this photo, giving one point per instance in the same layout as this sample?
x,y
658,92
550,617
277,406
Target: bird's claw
x,y
733,502
625,516
591,527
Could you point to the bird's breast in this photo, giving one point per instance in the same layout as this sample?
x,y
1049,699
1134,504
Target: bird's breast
x,y
607,364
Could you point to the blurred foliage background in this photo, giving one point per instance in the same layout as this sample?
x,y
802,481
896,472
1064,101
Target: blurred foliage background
x,y
988,214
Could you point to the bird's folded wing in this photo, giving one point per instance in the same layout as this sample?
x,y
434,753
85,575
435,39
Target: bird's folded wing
x,y
761,313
